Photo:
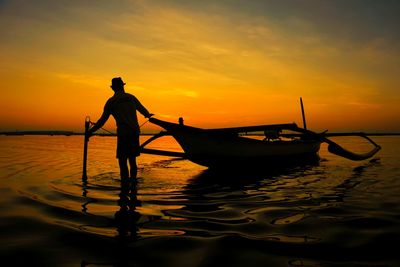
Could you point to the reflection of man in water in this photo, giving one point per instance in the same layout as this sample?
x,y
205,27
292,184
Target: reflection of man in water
x,y
122,106
127,217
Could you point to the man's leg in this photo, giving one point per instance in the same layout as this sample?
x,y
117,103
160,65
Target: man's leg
x,y
133,165
123,167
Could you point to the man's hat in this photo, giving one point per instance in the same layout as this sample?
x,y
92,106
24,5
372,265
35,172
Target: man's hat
x,y
116,82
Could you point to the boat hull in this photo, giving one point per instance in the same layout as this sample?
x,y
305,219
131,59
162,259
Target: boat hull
x,y
216,148
261,162
213,150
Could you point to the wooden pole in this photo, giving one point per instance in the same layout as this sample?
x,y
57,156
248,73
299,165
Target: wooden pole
x,y
85,147
302,114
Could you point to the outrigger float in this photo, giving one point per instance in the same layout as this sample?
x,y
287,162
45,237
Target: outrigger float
x,y
233,147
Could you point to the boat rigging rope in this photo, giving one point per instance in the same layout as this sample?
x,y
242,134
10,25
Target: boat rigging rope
x,y
144,123
92,123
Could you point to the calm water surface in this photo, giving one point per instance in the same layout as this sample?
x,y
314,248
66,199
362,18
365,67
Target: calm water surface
x,y
338,213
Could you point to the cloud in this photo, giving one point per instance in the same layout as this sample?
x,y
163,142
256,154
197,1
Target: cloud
x,y
82,79
229,53
178,92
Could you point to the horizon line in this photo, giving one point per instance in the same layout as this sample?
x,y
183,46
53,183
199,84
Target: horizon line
x,y
69,133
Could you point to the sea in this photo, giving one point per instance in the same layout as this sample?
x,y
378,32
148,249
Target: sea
x,y
334,213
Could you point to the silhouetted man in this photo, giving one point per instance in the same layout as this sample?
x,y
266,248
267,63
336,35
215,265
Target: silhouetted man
x,y
123,106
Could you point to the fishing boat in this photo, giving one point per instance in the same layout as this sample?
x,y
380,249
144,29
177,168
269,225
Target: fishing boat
x,y
234,147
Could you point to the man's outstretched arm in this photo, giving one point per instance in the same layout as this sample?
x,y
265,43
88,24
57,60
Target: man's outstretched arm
x,y
142,109
103,119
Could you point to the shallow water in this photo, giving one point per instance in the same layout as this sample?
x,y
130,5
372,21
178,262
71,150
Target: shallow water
x,y
336,213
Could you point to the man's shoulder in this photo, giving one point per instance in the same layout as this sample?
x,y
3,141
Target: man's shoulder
x,y
119,95
110,102
130,95
120,98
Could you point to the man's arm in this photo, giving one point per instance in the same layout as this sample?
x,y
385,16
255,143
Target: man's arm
x,y
103,119
142,109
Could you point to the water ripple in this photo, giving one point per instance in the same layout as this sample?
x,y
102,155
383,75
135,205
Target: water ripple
x,y
337,211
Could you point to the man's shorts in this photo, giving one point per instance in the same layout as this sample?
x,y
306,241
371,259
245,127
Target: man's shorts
x,y
128,146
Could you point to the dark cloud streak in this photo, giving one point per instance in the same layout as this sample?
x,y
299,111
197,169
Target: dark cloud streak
x,y
351,20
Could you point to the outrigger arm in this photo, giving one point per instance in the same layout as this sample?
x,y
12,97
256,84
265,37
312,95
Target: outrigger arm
x,y
336,149
159,152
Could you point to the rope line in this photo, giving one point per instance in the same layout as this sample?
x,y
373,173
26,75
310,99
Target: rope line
x,y
144,123
92,123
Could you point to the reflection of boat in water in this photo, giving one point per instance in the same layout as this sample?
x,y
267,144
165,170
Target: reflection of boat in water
x,y
230,147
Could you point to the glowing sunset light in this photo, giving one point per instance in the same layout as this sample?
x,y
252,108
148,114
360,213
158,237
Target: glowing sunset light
x,y
216,64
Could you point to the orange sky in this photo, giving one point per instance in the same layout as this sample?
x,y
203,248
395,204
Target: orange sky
x,y
216,64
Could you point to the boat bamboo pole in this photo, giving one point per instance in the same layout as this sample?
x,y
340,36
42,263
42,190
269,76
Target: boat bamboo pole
x,y
85,147
302,114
